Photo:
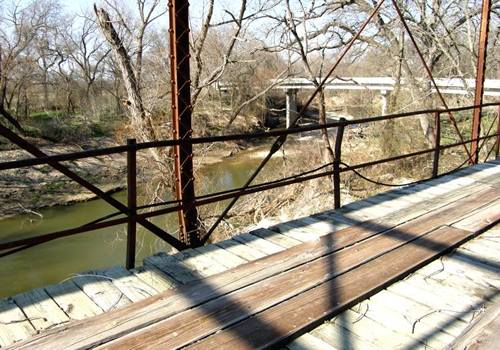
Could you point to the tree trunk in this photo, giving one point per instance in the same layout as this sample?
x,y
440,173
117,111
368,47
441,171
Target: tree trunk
x,y
140,121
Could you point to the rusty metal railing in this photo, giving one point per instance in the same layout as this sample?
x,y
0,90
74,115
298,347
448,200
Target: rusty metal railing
x,y
131,214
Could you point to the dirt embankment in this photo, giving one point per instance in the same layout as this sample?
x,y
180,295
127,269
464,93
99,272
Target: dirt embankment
x,y
28,189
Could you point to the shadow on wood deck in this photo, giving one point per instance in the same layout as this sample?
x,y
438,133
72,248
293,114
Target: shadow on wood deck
x,y
270,286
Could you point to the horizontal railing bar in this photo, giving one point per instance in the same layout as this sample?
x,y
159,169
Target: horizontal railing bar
x,y
224,195
210,139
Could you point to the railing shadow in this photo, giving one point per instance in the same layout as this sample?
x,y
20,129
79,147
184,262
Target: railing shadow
x,y
218,301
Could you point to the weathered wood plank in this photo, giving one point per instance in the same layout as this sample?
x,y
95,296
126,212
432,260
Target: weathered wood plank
x,y
177,270
154,277
120,322
309,342
319,226
186,327
40,309
342,338
419,316
130,285
199,262
14,325
380,335
221,256
257,243
278,323
488,251
101,290
462,283
464,310
75,303
241,250
336,218
294,232
276,238
466,267
391,201
364,210
481,217
451,290
482,333
398,322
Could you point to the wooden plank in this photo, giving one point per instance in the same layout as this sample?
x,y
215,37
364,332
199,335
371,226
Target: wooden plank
x,y
464,309
276,324
241,250
40,309
130,285
165,305
398,322
381,336
101,290
257,243
342,338
364,210
154,277
391,201
221,256
478,173
459,283
309,342
450,183
482,333
75,303
177,270
186,327
481,217
451,290
489,251
492,235
14,326
319,226
466,267
276,238
199,262
294,232
419,316
337,219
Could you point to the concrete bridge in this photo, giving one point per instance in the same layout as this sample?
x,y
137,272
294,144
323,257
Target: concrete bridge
x,y
451,86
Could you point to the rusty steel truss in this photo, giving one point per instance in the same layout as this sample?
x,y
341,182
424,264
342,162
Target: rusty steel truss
x,y
186,202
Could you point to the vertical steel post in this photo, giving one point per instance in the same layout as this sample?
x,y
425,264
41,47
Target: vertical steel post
x,y
437,146
336,163
131,202
181,120
480,72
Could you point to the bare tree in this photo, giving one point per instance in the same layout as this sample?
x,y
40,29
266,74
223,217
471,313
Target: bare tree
x,y
19,27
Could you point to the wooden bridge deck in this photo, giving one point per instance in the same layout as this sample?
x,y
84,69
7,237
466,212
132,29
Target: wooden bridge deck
x,y
364,277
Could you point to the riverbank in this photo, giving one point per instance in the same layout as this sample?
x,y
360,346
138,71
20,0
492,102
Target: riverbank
x,y
29,189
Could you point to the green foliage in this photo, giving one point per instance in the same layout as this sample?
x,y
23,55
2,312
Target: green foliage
x,y
59,127
47,115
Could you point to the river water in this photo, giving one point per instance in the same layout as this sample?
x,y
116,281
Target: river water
x,y
55,261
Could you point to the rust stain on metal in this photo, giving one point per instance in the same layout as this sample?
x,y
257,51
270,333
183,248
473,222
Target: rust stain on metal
x,y
480,74
181,120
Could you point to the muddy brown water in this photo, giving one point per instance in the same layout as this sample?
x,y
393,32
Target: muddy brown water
x,y
58,260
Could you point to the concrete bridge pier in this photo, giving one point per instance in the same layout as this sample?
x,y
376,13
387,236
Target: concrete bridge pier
x,y
383,96
291,106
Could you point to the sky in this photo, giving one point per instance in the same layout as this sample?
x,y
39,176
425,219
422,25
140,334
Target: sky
x,y
196,7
